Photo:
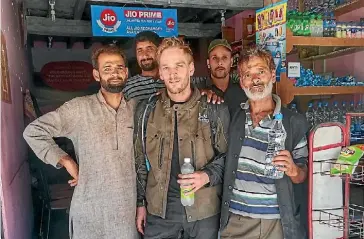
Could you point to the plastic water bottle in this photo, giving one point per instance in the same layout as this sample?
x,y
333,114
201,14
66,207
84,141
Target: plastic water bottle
x,y
351,109
310,114
335,115
326,112
187,168
358,121
318,113
276,142
294,108
344,109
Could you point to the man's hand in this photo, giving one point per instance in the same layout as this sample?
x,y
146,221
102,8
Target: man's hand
x,y
141,219
72,168
211,96
193,181
285,163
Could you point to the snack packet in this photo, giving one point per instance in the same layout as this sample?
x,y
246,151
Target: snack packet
x,y
348,159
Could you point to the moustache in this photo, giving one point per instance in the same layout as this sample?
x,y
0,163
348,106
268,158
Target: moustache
x,y
148,59
115,78
260,84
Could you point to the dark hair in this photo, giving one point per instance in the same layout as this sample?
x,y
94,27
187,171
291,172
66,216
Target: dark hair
x,y
108,49
147,36
247,54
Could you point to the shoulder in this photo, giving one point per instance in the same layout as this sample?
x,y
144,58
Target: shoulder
x,y
296,121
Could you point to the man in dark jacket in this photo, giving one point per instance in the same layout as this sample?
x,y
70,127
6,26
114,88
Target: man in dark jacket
x,y
179,126
254,205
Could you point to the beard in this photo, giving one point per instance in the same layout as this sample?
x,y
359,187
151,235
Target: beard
x,y
258,95
177,85
148,66
219,73
113,87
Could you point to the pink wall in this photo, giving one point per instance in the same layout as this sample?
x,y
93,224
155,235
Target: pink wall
x,y
237,22
15,193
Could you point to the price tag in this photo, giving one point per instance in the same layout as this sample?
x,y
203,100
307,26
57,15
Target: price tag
x,y
294,70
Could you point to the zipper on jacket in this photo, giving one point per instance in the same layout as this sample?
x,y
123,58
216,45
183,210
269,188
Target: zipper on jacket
x,y
161,149
193,154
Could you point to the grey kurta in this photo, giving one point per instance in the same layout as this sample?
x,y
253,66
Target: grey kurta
x,y
104,201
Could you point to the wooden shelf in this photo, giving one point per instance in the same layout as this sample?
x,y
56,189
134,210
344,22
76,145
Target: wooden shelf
x,y
322,41
348,7
333,54
287,91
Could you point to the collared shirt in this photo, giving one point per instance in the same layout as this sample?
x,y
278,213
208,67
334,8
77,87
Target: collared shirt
x,y
254,195
103,203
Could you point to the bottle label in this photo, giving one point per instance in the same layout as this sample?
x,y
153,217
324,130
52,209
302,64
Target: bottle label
x,y
185,191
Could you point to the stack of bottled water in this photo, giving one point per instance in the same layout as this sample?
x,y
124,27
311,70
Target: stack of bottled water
x,y
323,112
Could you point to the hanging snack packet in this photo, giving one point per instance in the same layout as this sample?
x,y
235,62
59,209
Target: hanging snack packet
x,y
348,160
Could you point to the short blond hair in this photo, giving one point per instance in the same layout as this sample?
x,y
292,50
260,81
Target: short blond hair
x,y
174,42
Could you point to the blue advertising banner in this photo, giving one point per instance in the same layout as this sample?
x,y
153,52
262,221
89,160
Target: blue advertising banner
x,y
127,21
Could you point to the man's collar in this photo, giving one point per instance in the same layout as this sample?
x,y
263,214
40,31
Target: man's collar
x,y
276,99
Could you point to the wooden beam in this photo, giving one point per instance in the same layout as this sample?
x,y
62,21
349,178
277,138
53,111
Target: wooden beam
x,y
79,28
78,9
209,4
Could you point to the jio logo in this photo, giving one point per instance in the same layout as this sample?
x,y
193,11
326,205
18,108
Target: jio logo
x,y
170,23
108,17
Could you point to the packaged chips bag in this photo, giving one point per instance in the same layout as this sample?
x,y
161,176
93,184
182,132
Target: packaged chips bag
x,y
348,159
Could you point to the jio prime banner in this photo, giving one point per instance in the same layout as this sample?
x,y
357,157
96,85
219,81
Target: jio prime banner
x,y
271,33
127,22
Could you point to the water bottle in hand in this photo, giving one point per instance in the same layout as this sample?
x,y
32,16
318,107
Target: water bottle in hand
x,y
276,142
187,168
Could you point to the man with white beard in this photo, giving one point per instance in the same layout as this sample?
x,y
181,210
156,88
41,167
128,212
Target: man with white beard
x,y
253,205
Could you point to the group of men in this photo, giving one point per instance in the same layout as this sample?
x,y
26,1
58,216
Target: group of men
x,y
131,139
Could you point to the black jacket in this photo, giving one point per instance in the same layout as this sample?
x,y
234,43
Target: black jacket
x,y
296,127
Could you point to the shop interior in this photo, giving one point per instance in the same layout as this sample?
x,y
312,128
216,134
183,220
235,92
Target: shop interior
x,y
325,36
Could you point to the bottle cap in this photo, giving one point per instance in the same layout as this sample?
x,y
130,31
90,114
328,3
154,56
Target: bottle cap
x,y
187,160
278,116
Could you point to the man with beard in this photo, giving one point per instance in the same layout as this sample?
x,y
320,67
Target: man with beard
x,y
148,83
254,205
101,129
221,80
142,86
172,126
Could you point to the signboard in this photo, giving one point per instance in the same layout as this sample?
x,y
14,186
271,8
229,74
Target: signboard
x,y
67,75
271,33
5,78
127,21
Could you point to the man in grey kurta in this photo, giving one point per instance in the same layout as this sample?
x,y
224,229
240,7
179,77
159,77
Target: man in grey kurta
x,y
101,129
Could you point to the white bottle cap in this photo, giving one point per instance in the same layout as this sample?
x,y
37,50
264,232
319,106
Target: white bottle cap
x,y
187,160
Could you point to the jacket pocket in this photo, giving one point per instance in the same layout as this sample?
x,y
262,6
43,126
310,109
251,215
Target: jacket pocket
x,y
161,150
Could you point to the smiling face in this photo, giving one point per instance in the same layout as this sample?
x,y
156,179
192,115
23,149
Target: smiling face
x,y
175,69
256,78
111,72
146,55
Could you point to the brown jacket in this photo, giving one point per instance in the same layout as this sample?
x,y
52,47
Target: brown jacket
x,y
195,142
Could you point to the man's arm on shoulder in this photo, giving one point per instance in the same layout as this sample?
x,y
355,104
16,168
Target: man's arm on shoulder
x,y
215,168
59,123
